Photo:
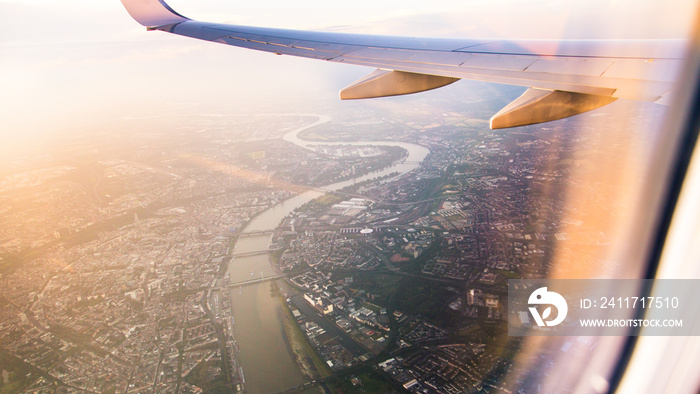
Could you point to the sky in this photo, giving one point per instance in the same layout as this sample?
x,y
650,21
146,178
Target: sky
x,y
79,64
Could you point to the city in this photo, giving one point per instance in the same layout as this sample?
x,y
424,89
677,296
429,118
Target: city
x,y
126,259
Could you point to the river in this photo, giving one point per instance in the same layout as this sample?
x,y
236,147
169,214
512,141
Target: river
x,y
264,356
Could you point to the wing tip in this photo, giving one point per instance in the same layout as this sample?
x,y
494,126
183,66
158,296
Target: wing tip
x,y
152,13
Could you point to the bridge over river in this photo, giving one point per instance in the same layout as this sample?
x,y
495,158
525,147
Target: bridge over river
x,y
253,281
254,253
254,233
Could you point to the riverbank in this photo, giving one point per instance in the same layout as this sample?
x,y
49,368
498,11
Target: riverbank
x,y
309,362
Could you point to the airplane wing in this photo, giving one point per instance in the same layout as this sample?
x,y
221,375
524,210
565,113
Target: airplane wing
x,y
565,77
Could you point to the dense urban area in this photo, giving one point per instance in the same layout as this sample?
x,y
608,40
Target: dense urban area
x,y
118,251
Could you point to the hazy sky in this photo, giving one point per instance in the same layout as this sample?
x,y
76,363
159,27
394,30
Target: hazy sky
x,y
78,64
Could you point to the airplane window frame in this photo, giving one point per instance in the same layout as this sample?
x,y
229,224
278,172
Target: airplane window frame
x,y
684,116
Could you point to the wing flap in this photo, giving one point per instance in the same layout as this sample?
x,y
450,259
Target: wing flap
x,y
445,58
572,65
657,69
499,62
